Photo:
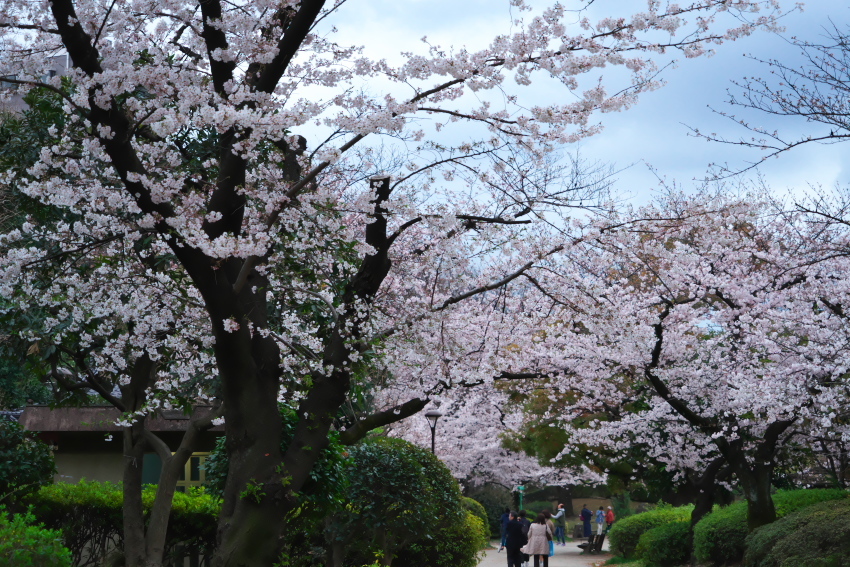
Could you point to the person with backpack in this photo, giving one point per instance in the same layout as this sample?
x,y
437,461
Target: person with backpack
x,y
515,539
526,524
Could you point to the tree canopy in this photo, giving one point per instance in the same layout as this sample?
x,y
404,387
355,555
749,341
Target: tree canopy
x,y
253,212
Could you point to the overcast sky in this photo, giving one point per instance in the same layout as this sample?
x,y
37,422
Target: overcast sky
x,y
656,131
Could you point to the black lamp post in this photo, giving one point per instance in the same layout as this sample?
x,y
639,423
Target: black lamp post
x,y
432,416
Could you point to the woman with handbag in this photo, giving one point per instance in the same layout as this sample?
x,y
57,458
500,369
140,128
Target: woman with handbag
x,y
550,523
539,537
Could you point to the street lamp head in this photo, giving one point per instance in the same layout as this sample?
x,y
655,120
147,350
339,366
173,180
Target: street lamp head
x,y
432,416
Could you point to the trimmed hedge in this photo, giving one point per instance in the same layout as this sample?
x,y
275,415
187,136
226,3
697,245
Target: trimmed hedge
x,y
668,545
626,532
23,544
89,515
720,536
815,536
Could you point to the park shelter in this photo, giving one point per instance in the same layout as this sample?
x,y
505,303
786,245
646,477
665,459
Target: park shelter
x,y
87,444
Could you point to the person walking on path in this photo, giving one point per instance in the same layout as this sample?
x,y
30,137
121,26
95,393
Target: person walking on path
x,y
526,524
609,517
560,519
585,517
551,525
514,540
503,524
538,541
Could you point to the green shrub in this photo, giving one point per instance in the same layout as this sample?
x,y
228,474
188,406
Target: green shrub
x,y
626,532
456,545
622,504
815,536
89,515
397,494
495,499
667,545
25,462
720,536
471,505
24,544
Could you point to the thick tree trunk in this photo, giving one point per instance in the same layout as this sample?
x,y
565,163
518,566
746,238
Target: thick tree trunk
x,y
262,482
756,486
705,488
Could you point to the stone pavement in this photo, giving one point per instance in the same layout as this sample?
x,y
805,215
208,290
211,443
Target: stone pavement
x,y
567,556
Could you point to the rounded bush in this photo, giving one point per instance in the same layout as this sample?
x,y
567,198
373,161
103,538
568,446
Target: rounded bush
x,y
668,545
398,494
26,545
626,532
816,536
458,544
495,499
721,535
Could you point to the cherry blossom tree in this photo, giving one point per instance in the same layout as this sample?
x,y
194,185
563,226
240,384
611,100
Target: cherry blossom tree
x,y
719,323
470,439
205,228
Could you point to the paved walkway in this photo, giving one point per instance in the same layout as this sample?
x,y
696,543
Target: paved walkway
x,y
566,556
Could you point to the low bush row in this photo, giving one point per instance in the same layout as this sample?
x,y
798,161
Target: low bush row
x,y
399,491
626,532
720,537
89,516
815,536
814,528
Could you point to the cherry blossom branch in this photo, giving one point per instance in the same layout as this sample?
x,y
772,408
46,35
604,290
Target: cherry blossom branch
x,y
363,424
497,284
453,159
28,27
659,385
40,85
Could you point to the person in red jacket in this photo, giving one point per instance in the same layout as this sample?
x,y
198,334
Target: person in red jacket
x,y
609,517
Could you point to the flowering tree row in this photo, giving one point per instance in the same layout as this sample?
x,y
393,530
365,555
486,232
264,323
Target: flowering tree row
x,y
204,247
711,335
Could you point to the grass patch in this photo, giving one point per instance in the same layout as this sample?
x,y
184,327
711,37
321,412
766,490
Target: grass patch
x,y
625,562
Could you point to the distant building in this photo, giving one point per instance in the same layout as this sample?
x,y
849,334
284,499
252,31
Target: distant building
x,y
87,444
10,100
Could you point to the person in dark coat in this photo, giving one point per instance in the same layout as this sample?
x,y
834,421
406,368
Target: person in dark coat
x,y
503,523
585,517
526,524
514,540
